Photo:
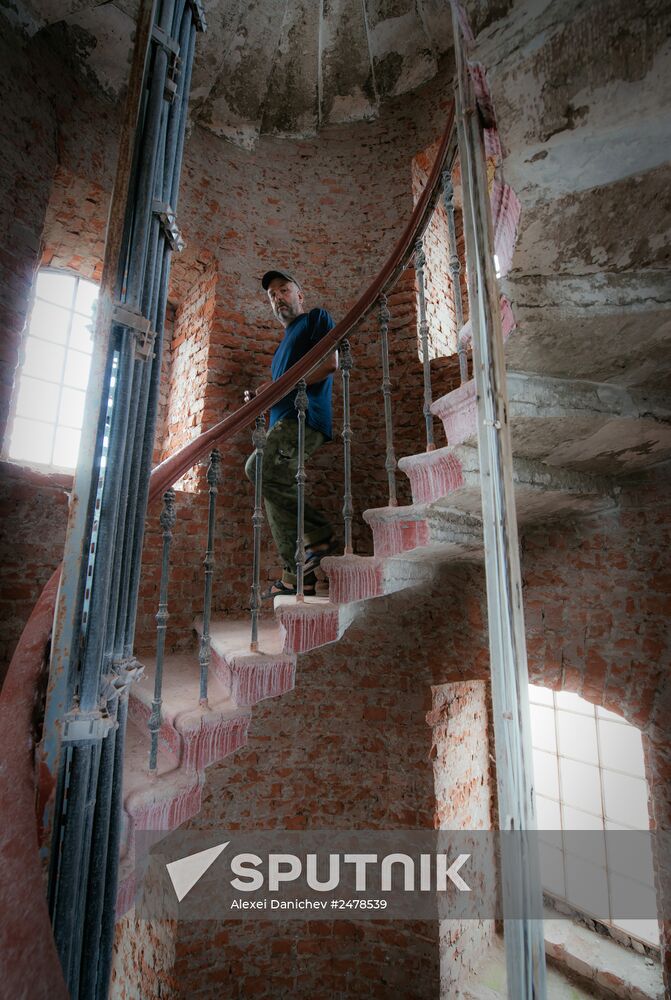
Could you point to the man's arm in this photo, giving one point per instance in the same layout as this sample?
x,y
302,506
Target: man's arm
x,y
323,370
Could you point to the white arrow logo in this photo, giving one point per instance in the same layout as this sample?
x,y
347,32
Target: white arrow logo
x,y
185,872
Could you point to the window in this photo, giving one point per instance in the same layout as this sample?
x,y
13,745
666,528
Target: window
x,y
51,390
589,775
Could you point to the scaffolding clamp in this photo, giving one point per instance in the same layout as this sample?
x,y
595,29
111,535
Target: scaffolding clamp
x,y
81,727
171,46
198,14
133,320
168,220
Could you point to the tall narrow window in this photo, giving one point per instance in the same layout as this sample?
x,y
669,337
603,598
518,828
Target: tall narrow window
x,y
51,389
590,775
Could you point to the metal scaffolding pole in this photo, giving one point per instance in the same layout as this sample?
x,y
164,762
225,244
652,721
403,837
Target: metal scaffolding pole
x,y
520,869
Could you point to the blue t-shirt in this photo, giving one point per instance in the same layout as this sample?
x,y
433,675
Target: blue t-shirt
x,y
299,337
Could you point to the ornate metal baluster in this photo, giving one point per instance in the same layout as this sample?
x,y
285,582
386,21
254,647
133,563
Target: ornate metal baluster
x,y
390,457
455,268
204,656
420,261
167,519
301,405
347,509
259,442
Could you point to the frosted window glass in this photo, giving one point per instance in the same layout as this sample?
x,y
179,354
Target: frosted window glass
x,y
621,748
548,815
580,785
630,899
552,869
577,819
43,360
646,930
55,287
626,800
77,369
569,700
37,399
87,296
66,447
31,441
603,713
49,322
630,853
540,695
71,412
587,843
545,773
577,736
80,335
543,728
587,886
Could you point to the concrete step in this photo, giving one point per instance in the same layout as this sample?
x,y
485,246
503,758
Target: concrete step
x,y
605,327
424,533
197,737
591,426
451,477
314,622
359,578
160,802
250,676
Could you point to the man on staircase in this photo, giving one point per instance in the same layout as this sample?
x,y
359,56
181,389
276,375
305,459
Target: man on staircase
x,y
302,330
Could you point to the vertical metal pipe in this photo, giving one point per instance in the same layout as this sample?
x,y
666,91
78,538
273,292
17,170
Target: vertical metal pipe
x,y
420,261
98,868
347,508
520,867
390,457
259,442
113,851
204,656
455,270
301,404
167,519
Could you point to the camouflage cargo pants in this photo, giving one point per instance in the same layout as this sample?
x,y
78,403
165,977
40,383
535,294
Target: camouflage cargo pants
x,y
280,492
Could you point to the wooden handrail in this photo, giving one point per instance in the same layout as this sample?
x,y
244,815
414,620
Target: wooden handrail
x,y
173,468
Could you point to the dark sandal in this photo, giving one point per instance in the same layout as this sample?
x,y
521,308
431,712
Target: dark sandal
x,y
280,589
315,553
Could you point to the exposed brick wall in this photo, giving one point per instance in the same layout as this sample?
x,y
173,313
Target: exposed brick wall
x,y
33,514
350,748
28,134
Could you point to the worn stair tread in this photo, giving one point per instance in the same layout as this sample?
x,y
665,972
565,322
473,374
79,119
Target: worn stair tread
x,y
139,788
250,676
597,427
424,532
451,477
230,637
180,689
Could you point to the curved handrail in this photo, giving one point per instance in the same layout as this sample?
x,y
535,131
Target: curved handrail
x,y
21,847
169,471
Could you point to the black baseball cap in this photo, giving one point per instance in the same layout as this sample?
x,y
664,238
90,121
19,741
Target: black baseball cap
x,y
269,275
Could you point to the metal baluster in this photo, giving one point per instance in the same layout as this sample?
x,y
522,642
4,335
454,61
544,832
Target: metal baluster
x,y
390,457
204,656
420,261
301,405
167,519
347,509
455,268
259,442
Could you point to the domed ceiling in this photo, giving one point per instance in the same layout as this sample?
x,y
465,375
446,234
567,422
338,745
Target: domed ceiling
x,y
279,67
